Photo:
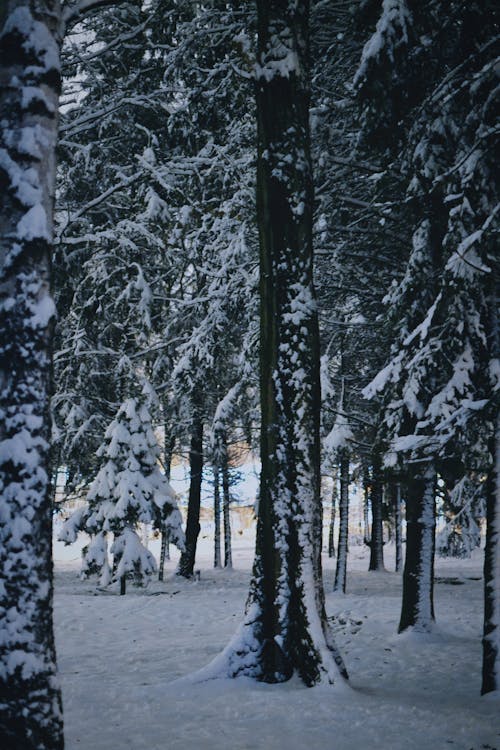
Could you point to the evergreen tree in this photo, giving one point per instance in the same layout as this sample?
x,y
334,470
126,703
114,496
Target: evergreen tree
x,y
129,489
440,391
338,442
285,630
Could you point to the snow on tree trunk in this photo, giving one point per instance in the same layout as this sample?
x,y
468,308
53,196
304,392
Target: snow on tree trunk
x,y
377,537
331,529
418,576
342,549
366,505
30,703
285,630
217,540
186,563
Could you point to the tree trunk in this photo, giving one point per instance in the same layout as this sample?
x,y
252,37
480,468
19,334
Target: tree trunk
x,y
340,573
491,631
30,701
331,531
217,545
228,558
377,538
164,552
418,576
398,525
123,585
366,504
186,563
285,631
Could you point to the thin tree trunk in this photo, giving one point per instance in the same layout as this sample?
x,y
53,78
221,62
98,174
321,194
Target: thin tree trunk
x,y
398,525
217,535
186,563
418,576
286,630
491,631
30,701
377,538
123,585
366,504
331,531
228,558
164,552
341,571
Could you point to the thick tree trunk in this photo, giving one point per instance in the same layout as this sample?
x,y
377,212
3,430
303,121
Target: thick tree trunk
x,y
30,702
418,576
217,535
186,563
377,538
342,549
398,525
331,530
228,558
286,630
165,534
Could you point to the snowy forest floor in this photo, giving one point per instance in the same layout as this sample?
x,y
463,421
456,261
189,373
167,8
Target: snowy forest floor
x,y
120,657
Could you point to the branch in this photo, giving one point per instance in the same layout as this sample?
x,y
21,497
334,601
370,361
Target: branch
x,y
74,10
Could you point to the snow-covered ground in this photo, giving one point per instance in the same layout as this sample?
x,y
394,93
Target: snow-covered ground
x,y
121,658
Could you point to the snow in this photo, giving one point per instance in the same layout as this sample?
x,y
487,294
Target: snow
x,y
391,32
121,658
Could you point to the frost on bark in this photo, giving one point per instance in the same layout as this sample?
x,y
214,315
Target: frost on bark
x,y
30,703
417,609
285,630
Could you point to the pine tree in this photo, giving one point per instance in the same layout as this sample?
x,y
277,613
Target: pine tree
x,y
285,630
338,443
30,702
129,489
436,60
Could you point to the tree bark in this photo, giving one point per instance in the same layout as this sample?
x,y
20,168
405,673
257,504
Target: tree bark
x,y
331,530
377,538
30,701
366,504
217,540
228,558
491,631
417,609
186,563
342,549
398,525
285,631
164,551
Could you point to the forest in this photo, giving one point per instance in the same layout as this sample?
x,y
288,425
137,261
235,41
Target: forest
x,y
249,232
